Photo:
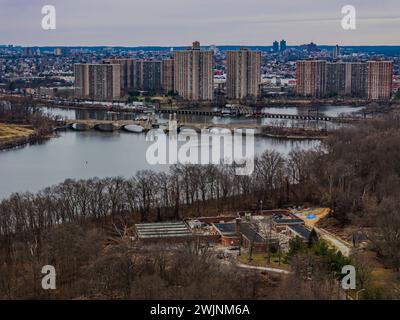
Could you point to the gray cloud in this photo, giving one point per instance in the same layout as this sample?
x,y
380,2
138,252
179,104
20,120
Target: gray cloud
x,y
178,22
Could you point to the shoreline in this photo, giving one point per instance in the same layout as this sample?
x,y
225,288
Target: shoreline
x,y
186,105
200,105
293,137
23,141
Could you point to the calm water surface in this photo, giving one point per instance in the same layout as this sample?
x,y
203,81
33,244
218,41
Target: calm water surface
x,y
83,155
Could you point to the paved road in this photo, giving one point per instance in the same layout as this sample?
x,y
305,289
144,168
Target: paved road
x,y
339,244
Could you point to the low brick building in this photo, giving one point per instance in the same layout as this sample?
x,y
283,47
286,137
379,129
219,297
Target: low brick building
x,y
238,233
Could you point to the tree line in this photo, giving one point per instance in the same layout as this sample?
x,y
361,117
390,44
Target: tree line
x,y
25,114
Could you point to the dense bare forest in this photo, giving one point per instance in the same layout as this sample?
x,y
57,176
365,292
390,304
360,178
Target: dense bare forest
x,y
80,226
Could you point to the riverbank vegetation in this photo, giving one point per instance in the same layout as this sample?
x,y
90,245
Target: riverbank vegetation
x,y
14,135
294,133
20,124
9,131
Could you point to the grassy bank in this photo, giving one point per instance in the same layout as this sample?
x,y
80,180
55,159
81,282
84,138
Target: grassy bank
x,y
12,131
12,135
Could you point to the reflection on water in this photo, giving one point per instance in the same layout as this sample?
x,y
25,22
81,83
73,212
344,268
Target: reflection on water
x,y
330,111
82,155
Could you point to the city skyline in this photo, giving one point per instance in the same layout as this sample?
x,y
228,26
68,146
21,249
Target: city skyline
x,y
156,23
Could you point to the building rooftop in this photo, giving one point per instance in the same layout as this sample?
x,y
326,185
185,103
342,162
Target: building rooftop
x,y
162,230
226,229
301,230
248,231
229,229
286,219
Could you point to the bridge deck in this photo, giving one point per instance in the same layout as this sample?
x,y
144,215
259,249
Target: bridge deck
x,y
191,125
253,114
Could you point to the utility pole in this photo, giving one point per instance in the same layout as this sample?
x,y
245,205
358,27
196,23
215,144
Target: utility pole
x,y
279,253
269,241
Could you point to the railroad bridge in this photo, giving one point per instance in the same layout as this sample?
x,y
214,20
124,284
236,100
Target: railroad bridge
x,y
254,115
91,123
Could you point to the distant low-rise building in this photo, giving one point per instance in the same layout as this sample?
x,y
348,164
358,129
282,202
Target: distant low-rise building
x,y
163,231
58,52
238,233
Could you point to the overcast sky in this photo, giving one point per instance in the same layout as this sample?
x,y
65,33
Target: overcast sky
x,y
179,22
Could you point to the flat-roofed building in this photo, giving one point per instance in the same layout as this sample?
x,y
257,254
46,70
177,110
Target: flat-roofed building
x,y
58,52
193,73
320,78
97,81
168,231
281,221
356,79
238,233
81,85
335,78
299,230
128,72
380,77
167,75
148,76
311,78
243,74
